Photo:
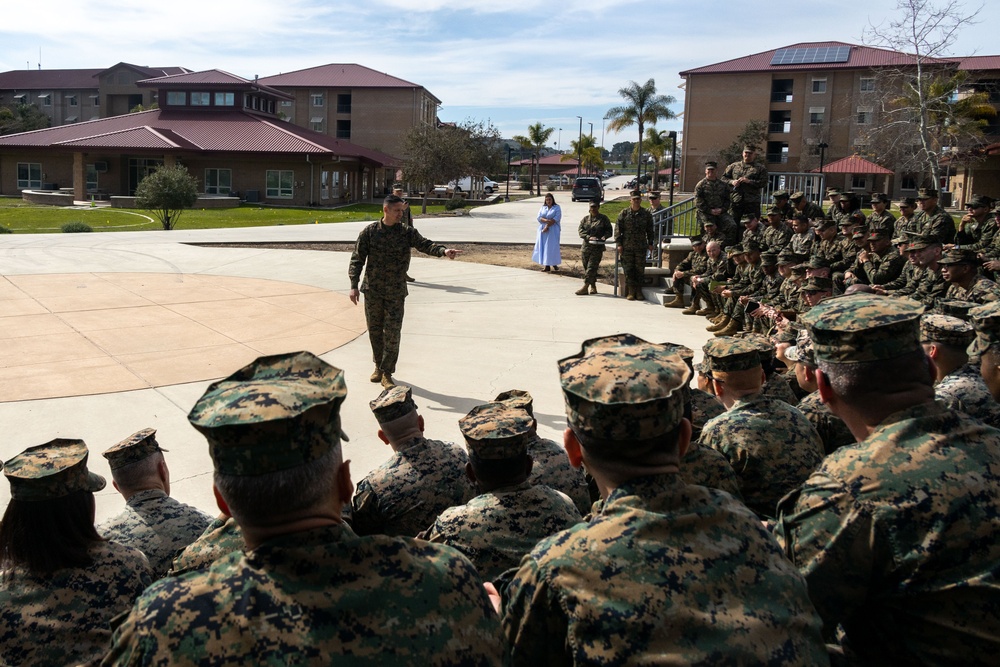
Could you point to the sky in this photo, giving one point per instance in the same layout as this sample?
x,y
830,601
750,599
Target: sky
x,y
512,62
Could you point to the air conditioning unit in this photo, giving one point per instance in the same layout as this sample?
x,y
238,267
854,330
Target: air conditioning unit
x,y
101,167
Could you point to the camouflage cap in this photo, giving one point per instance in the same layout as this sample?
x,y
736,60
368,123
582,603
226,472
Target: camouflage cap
x,y
768,259
655,194
635,194
276,413
881,197
817,262
709,223
927,193
824,224
907,201
711,164
393,403
786,335
796,196
863,327
879,234
834,191
921,243
902,238
817,284
134,448
748,218
979,201
697,240
787,256
779,194
986,321
53,470
685,352
727,354
846,222
733,251
751,245
764,345
959,309
774,210
960,256
622,390
945,329
397,186
802,351
518,398
859,235
749,148
496,430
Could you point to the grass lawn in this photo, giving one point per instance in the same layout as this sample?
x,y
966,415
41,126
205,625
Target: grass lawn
x,y
21,217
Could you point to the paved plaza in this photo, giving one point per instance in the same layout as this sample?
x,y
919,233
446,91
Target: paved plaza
x,y
104,334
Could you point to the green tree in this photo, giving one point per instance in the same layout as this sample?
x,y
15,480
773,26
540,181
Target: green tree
x,y
590,155
140,107
753,133
22,118
538,135
643,106
658,144
166,193
920,103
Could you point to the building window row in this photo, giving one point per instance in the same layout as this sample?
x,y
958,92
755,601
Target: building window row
x,y
218,181
280,183
29,175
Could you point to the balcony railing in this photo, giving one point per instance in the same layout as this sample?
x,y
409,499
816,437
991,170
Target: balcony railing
x,y
780,128
781,97
777,158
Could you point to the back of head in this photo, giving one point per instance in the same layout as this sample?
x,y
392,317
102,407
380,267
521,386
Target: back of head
x,y
49,522
135,461
396,414
735,364
497,438
273,431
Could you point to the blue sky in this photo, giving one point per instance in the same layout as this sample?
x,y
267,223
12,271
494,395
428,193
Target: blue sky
x,y
515,62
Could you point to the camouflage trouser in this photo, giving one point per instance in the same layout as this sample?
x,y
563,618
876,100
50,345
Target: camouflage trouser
x,y
591,256
634,266
739,209
385,322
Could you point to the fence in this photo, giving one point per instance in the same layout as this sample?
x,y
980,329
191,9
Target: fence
x,y
811,184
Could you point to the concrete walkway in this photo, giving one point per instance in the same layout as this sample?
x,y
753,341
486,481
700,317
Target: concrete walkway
x,y
170,316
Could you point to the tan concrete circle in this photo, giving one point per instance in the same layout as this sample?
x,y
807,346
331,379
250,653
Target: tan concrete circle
x,y
95,333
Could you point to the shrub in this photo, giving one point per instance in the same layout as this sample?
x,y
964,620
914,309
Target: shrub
x,y
76,227
5,230
454,203
525,182
550,186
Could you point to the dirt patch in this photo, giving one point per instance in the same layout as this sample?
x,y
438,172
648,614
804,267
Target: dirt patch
x,y
514,255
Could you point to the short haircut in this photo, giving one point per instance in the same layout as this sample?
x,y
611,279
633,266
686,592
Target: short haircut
x,y
498,471
393,199
256,500
655,449
135,475
858,384
398,427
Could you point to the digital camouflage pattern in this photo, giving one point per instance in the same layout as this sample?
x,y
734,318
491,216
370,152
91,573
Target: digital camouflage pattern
x,y
276,413
598,226
496,430
704,406
383,253
315,598
777,387
622,388
496,529
777,237
53,470
221,538
406,493
392,404
550,467
745,197
863,327
771,446
157,525
832,430
634,234
982,290
881,222
65,618
665,572
966,391
935,225
897,539
133,449
935,328
729,355
706,467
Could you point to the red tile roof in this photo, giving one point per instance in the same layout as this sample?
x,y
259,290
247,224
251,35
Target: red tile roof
x,y
215,78
854,164
49,78
978,63
210,131
555,158
337,76
861,57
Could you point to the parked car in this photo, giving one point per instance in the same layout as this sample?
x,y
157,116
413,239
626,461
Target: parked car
x,y
588,188
559,179
465,185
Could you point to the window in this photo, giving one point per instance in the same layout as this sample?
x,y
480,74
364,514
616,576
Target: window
x,y
29,175
343,129
344,103
817,115
46,99
280,184
95,100
316,123
176,98
91,177
225,99
908,181
864,116
218,181
20,99
819,85
859,182
71,100
781,90
70,119
286,103
200,99
867,84
317,99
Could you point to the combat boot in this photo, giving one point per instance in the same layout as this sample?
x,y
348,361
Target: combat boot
x,y
692,309
387,381
678,301
593,288
718,317
730,329
629,293
708,311
582,290
376,375
722,324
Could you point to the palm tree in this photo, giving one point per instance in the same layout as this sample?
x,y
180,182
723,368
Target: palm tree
x,y
657,144
582,148
538,135
643,106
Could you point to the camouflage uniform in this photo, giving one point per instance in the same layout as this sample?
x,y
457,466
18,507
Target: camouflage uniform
x,y
745,198
157,525
634,235
64,618
704,406
709,194
982,290
551,468
965,390
630,586
222,537
706,467
406,493
591,253
896,535
313,595
777,237
811,210
883,222
831,429
386,251
695,264
977,236
880,270
935,225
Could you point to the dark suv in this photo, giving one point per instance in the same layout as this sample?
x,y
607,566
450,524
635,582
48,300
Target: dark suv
x,y
588,188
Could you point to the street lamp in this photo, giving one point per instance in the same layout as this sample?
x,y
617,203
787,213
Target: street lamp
x,y
822,153
506,197
579,143
559,143
672,134
591,131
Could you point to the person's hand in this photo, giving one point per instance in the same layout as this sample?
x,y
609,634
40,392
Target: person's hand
x,y
493,594
744,299
993,264
878,290
849,275
452,253
863,256
354,295
678,275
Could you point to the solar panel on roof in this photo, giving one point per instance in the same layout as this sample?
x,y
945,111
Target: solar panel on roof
x,y
811,55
